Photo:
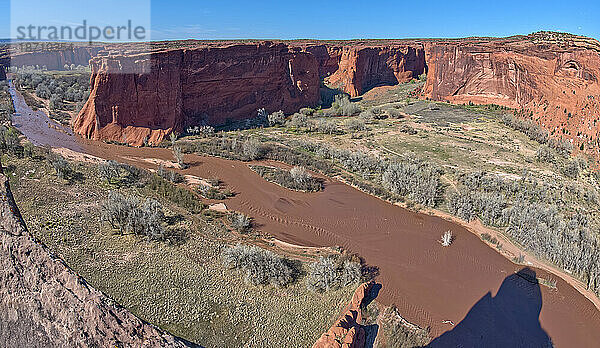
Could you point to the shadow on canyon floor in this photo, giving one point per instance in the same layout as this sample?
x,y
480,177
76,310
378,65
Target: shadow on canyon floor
x,y
509,319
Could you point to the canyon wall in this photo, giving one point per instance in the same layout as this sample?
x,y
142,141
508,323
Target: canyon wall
x,y
204,85
360,68
213,85
549,77
43,303
54,59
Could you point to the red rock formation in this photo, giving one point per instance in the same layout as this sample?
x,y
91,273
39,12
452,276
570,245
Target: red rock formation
x,y
552,77
43,303
53,59
361,68
194,85
347,331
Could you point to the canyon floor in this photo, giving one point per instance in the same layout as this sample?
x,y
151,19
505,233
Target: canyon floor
x,y
462,293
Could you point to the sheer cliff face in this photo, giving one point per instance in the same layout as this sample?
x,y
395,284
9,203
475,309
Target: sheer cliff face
x,y
214,85
55,59
554,82
551,77
362,68
211,85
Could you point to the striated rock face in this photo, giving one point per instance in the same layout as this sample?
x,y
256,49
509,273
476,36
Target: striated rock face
x,y
54,59
192,86
347,331
361,68
43,303
216,84
553,78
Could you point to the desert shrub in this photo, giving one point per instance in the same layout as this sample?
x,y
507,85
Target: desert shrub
x,y
393,113
109,170
169,175
261,266
330,273
327,127
355,124
60,165
562,146
344,106
9,141
178,195
296,179
307,111
251,149
537,133
298,120
571,169
565,241
277,118
203,130
530,211
213,192
118,173
178,156
419,181
469,205
530,128
241,222
29,150
367,115
300,175
544,154
131,215
398,333
61,89
401,177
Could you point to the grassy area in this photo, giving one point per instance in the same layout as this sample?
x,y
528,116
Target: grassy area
x,y
182,287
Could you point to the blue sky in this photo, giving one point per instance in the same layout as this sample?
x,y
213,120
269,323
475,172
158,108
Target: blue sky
x,y
218,19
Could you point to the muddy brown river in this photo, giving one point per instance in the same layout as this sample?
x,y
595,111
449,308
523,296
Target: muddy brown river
x,y
468,294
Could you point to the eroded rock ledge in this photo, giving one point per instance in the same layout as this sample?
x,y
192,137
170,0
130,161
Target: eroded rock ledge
x,y
347,331
43,303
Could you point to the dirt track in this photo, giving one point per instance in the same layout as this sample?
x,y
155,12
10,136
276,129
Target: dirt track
x,y
429,284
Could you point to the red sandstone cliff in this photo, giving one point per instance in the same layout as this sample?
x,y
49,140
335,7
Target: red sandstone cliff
x,y
54,59
180,87
215,84
552,77
347,331
43,303
361,68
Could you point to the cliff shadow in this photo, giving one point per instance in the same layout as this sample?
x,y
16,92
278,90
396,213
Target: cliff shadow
x,y
509,319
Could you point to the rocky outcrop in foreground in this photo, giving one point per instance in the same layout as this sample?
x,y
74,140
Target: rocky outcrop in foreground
x,y
43,303
347,331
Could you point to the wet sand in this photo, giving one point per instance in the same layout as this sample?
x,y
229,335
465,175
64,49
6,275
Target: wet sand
x,y
429,284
